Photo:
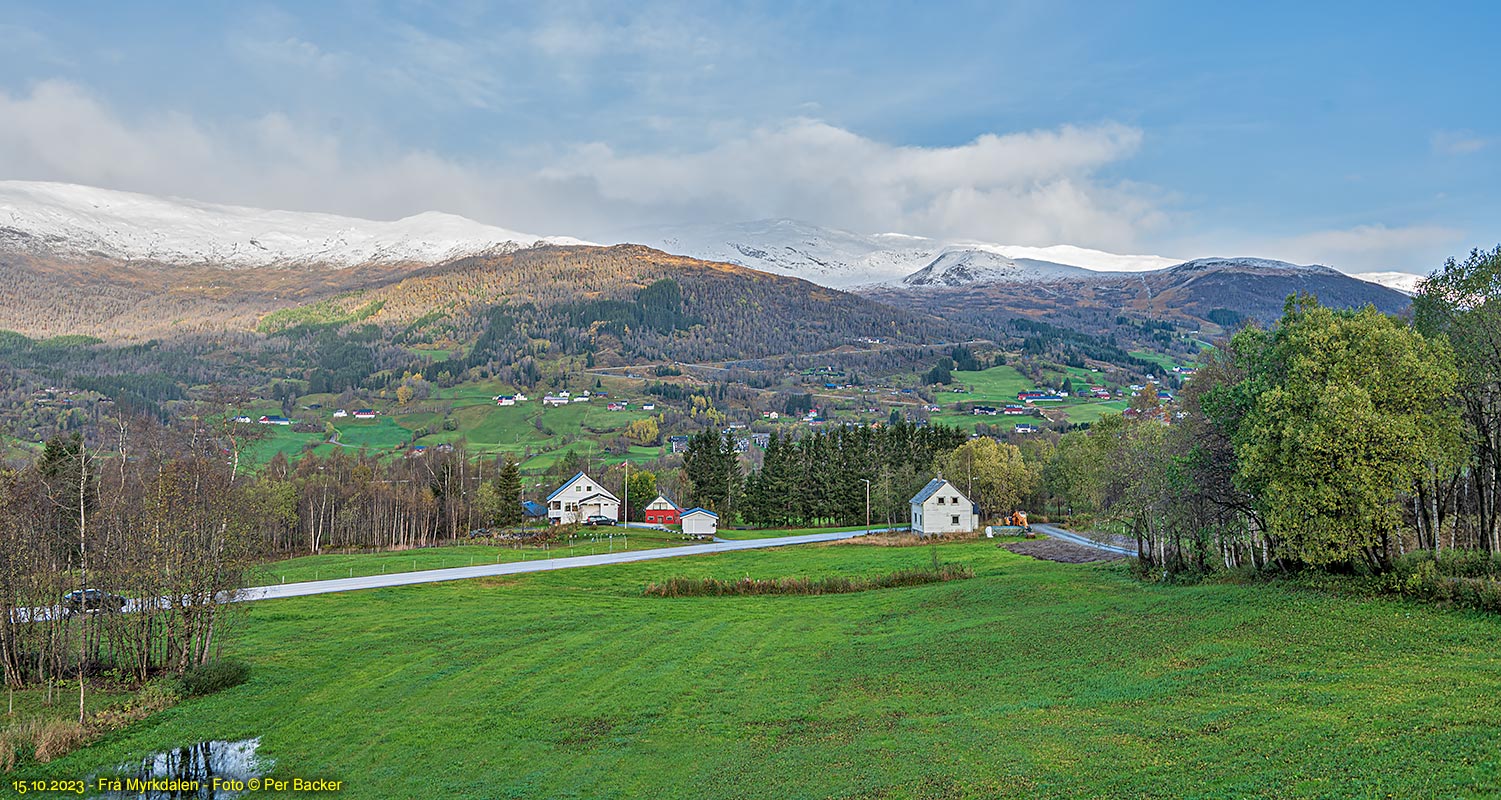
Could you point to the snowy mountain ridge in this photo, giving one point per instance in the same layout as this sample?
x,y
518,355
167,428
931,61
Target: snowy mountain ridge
x,y
60,219
67,220
841,259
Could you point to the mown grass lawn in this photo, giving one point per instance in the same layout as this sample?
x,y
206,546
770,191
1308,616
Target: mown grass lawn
x,y
768,533
1032,679
359,565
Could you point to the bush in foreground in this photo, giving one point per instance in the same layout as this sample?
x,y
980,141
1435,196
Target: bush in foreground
x,y
714,587
214,676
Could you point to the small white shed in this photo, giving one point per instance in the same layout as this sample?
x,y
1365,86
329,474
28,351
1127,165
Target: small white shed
x,y
940,508
700,523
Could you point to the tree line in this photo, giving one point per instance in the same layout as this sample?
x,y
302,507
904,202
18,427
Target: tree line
x,y
1335,439
820,478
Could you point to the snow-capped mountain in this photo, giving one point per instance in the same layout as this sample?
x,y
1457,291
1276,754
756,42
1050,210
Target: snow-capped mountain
x,y
962,267
59,219
1405,282
841,259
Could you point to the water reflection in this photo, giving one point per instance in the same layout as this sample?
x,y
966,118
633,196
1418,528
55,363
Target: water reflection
x,y
214,770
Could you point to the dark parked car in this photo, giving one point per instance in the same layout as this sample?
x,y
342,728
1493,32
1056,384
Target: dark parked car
x,y
92,600
599,519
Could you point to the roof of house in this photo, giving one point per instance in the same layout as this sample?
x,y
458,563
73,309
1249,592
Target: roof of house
x,y
693,511
667,500
533,508
574,479
930,490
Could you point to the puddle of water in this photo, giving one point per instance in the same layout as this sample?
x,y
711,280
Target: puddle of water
x,y
214,770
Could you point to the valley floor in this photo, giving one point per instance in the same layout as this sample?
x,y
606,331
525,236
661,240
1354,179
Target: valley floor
x,y
1033,679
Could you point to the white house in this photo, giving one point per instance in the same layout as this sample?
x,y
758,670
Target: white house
x,y
340,414
699,523
580,498
940,508
505,400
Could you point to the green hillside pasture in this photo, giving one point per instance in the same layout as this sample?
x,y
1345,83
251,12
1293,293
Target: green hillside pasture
x,y
1031,680
379,434
1165,361
280,439
1092,411
490,428
989,387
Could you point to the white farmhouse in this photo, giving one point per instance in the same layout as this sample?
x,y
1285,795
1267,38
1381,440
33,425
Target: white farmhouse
x,y
580,498
700,523
940,508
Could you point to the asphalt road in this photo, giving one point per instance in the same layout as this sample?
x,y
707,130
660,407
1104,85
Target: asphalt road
x,y
544,564
539,565
1055,532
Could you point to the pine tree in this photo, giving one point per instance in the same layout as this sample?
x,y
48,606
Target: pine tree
x,y
508,486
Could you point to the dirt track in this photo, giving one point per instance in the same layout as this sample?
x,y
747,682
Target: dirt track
x,y
1055,550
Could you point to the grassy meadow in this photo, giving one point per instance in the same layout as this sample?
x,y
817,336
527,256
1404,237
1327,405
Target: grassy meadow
x,y
588,542
1032,679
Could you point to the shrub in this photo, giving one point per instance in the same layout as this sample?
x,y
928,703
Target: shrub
x,y
159,695
214,676
11,744
58,738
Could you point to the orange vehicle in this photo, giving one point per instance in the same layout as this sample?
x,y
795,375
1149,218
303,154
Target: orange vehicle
x,y
1019,519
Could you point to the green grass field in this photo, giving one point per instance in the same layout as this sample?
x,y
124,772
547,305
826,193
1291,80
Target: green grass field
x,y
989,387
725,533
1165,361
359,565
1091,411
1032,679
279,439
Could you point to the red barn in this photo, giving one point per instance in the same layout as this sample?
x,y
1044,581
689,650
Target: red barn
x,y
662,511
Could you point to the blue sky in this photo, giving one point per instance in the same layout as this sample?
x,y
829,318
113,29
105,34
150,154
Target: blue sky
x,y
1364,135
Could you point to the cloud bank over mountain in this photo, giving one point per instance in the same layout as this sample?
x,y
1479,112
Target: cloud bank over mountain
x,y
1036,187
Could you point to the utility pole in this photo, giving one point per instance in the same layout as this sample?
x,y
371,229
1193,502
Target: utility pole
x,y
867,505
627,465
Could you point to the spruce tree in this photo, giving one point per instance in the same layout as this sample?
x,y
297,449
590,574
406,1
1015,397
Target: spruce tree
x,y
508,486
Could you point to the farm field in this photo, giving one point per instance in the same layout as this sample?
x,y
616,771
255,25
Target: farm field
x,y
1091,411
1032,679
725,533
487,429
359,565
989,386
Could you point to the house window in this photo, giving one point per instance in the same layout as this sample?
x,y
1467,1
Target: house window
x,y
954,520
940,501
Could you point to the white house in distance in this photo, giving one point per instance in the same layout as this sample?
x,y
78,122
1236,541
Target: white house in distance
x,y
940,508
580,498
700,523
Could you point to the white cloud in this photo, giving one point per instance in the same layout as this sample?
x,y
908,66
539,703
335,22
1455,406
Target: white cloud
x,y
1457,143
1037,187
1365,248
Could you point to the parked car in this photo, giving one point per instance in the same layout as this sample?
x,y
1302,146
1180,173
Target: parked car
x,y
599,519
92,600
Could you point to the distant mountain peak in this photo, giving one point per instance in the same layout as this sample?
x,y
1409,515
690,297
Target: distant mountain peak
x,y
841,259
68,220
957,266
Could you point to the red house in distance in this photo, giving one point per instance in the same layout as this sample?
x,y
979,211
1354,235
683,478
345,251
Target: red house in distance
x,y
662,511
